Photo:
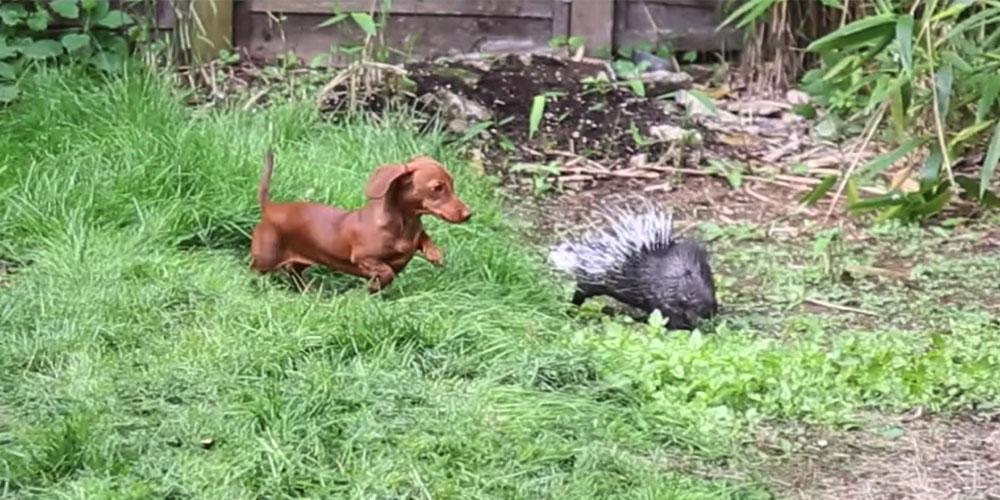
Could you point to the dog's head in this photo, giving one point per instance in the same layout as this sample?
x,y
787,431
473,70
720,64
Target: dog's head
x,y
422,185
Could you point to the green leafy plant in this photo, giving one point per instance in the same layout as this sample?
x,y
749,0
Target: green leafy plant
x,y
541,175
537,112
927,74
31,33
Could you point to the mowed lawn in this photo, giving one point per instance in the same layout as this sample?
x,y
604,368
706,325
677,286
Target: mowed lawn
x,y
140,357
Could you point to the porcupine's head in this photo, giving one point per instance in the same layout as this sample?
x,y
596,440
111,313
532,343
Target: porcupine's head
x,y
679,282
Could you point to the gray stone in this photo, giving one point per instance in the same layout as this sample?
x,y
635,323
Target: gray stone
x,y
662,82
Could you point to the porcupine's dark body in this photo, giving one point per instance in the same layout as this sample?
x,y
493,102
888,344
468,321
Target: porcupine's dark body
x,y
650,271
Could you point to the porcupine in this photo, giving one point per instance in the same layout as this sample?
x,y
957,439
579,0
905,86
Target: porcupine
x,y
636,260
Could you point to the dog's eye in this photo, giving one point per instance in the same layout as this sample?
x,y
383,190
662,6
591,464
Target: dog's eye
x,y
437,188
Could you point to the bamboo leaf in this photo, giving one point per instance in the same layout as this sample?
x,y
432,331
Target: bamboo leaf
x,y
887,200
935,204
537,112
932,167
883,162
820,190
943,80
990,164
989,97
332,20
904,36
365,22
856,33
966,134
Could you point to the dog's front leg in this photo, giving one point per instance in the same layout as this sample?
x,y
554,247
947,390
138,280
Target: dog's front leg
x,y
379,273
431,252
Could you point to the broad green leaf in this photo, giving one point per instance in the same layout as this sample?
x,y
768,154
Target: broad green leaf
x,y
39,20
876,166
856,33
66,8
107,61
637,87
115,19
967,133
7,71
8,93
6,52
365,22
12,14
904,37
75,41
820,190
986,100
990,164
42,49
333,20
537,112
943,80
96,8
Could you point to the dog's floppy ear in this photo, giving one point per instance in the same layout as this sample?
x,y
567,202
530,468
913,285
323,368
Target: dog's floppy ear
x,y
383,179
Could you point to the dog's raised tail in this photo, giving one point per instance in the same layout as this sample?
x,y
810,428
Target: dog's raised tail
x,y
263,192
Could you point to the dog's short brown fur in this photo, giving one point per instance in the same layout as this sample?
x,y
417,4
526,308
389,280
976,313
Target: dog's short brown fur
x,y
375,241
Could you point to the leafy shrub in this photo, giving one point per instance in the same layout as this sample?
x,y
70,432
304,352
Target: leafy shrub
x,y
926,74
65,30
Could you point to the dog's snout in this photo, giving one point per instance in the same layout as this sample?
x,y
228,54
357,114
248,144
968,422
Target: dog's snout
x,y
466,214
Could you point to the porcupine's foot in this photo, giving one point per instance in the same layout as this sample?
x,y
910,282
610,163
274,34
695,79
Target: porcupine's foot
x,y
579,297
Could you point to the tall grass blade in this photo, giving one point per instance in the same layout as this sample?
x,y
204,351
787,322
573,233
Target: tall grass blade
x,y
990,163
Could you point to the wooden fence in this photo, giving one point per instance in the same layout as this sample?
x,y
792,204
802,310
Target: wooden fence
x,y
430,28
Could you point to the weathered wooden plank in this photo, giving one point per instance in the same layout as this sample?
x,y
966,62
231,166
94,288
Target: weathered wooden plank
x,y
684,24
560,17
705,4
414,35
215,30
593,20
538,9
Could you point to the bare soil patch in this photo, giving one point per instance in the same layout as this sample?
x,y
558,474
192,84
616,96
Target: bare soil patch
x,y
924,458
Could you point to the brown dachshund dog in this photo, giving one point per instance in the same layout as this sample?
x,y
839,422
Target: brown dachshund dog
x,y
375,241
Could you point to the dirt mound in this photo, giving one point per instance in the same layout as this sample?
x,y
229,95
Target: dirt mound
x,y
584,112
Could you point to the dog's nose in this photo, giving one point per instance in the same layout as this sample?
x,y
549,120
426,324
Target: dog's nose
x,y
466,215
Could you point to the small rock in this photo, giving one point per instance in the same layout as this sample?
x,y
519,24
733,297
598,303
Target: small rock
x,y
673,134
797,97
639,160
661,82
207,442
655,63
457,107
758,107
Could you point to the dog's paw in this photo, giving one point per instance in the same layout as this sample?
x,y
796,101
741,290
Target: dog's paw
x,y
434,256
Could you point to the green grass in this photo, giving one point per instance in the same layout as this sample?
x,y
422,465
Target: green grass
x,y
138,330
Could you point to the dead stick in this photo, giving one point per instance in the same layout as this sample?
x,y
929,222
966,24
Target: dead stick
x,y
830,305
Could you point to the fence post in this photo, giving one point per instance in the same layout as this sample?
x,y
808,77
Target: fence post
x,y
594,21
212,28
